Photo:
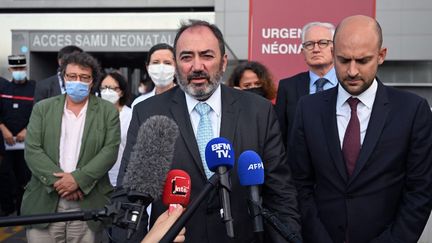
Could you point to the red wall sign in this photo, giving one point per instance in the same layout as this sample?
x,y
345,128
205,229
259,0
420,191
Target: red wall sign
x,y
275,29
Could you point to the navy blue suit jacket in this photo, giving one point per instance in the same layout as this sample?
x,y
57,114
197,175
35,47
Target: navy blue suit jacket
x,y
290,90
388,197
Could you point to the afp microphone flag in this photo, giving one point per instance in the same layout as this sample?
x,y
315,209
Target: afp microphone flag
x,y
250,169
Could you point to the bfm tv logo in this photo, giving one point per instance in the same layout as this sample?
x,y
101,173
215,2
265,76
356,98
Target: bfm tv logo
x,y
222,149
180,186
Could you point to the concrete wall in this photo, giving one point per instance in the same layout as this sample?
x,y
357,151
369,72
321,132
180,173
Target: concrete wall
x,y
407,28
86,21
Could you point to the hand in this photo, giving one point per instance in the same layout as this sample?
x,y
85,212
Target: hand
x,y
66,184
21,135
7,135
75,196
163,224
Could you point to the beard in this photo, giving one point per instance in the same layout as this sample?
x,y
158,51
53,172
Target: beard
x,y
202,91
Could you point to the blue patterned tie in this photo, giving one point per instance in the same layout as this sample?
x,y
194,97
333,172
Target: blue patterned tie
x,y
320,84
204,133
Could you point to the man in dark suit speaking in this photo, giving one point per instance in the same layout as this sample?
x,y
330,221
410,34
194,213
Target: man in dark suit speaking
x,y
362,150
245,119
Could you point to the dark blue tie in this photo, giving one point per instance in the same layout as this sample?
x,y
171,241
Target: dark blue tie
x,y
320,84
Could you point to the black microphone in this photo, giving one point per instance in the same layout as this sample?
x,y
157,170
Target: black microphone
x,y
219,156
149,163
250,170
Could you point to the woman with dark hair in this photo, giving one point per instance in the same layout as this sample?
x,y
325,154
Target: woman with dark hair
x,y
114,88
255,77
160,66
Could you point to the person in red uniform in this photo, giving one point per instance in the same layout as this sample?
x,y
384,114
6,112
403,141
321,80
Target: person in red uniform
x,y
16,103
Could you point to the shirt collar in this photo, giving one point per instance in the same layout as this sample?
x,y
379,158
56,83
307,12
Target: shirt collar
x,y
82,111
214,101
367,97
330,76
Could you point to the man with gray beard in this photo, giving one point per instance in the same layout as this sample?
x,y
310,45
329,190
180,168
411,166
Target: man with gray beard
x,y
203,109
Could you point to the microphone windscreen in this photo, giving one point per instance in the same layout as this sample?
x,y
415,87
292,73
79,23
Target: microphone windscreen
x,y
151,156
219,152
250,169
177,188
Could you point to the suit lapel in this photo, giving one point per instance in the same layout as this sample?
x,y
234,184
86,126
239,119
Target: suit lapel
x,y
180,114
229,111
376,123
57,117
328,116
303,85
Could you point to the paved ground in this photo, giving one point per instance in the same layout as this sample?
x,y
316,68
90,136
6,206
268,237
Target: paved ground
x,y
12,234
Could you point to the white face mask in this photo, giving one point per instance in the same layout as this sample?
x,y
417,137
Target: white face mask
x,y
161,74
110,95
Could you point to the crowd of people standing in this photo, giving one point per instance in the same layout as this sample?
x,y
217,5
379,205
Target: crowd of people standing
x,y
346,158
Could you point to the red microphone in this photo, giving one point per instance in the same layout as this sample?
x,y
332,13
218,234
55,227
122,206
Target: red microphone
x,y
177,189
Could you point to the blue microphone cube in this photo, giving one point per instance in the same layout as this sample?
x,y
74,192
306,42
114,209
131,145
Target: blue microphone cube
x,y
219,152
250,169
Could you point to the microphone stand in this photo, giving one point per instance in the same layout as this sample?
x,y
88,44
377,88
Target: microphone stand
x,y
284,230
255,210
224,191
123,214
180,223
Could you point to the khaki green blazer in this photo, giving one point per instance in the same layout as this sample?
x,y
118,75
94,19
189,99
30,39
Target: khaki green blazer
x,y
98,153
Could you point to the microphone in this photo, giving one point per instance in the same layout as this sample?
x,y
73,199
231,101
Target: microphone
x,y
148,165
150,161
250,170
177,189
219,156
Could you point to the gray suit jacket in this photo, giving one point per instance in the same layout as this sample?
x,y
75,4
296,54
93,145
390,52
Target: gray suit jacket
x,y
250,123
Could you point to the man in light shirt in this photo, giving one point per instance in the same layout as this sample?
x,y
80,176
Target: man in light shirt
x,y
317,41
72,141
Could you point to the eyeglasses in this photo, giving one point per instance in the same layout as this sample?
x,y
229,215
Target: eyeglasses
x,y
74,77
109,87
309,45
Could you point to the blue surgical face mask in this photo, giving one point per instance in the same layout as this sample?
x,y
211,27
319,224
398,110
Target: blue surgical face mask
x,y
19,75
77,90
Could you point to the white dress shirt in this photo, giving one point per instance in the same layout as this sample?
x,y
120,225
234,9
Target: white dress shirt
x,y
215,102
364,110
72,129
125,117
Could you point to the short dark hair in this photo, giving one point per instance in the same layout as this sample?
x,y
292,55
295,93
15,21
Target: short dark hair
x,y
67,50
82,59
195,23
262,73
122,83
157,47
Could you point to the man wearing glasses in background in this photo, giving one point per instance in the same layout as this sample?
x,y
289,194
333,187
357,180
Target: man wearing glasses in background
x,y
72,142
317,41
